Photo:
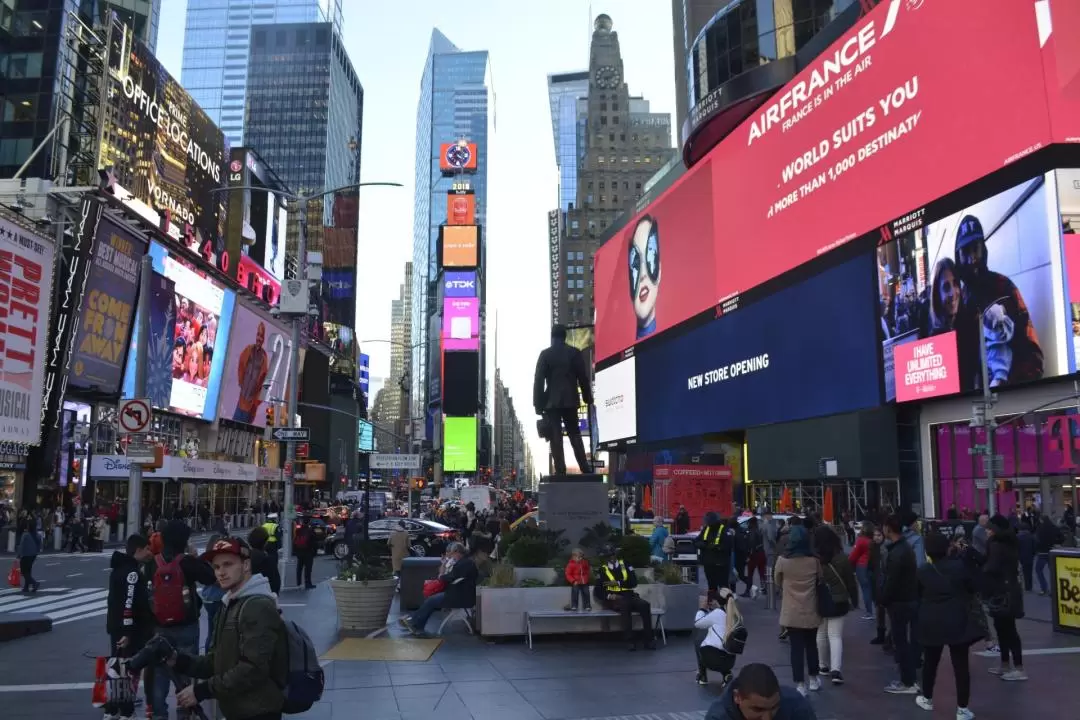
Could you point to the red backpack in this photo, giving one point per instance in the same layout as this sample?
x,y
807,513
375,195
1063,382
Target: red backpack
x,y
172,600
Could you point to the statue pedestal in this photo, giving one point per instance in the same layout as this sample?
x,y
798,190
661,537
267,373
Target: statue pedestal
x,y
573,503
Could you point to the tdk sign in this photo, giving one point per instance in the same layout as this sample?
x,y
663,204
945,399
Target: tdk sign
x,y
459,284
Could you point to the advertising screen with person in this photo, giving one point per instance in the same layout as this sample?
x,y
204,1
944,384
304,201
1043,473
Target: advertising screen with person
x,y
459,444
993,268
202,314
873,127
256,369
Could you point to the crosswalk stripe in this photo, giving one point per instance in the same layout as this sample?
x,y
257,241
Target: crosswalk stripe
x,y
81,611
79,604
68,601
17,591
14,603
96,613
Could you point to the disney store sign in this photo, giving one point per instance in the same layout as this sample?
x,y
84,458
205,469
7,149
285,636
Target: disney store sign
x,y
176,468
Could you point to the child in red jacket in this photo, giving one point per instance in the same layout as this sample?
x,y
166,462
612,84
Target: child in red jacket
x,y
579,575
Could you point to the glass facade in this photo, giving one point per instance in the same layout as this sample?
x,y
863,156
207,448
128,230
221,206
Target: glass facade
x,y
746,34
457,100
565,92
217,38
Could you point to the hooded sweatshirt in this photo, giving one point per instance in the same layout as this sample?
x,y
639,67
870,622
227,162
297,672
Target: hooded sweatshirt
x,y
793,706
247,665
128,611
915,540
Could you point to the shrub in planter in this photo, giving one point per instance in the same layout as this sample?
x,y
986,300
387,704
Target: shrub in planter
x,y
529,552
599,535
532,583
553,538
501,576
668,573
635,551
363,594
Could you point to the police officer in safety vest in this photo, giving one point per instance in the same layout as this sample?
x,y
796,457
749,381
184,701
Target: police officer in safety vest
x,y
615,591
273,531
714,544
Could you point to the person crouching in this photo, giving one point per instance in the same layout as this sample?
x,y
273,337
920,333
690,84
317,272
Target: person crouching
x,y
719,635
614,589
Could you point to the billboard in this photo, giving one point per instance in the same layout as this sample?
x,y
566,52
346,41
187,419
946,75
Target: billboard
x,y
256,367
615,396
339,273
459,284
457,157
108,306
162,149
873,127
460,207
459,246
1060,20
363,373
461,383
257,280
188,366
366,443
459,444
26,275
256,220
461,324
992,268
804,351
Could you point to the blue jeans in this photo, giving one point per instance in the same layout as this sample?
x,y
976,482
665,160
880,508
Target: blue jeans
x,y
1041,561
866,587
423,613
185,638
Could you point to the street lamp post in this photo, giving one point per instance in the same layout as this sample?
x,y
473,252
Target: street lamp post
x,y
294,352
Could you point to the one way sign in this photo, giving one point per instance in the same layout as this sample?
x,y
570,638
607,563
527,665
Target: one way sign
x,y
294,434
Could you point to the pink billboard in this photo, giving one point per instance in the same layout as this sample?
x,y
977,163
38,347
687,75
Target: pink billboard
x,y
926,368
461,324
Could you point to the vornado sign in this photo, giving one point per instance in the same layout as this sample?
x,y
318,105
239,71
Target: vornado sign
x,y
174,122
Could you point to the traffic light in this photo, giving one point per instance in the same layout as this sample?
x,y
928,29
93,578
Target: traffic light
x,y
417,483
269,416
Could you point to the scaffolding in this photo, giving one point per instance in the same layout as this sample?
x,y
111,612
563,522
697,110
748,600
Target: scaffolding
x,y
855,496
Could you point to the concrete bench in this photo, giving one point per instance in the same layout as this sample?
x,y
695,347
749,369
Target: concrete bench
x,y
530,615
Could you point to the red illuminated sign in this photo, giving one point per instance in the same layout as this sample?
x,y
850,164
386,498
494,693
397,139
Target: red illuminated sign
x,y
460,208
457,157
251,276
880,123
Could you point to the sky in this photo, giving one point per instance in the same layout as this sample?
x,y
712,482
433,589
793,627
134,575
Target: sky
x,y
388,44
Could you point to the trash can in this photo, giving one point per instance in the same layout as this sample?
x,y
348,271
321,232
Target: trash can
x,y
414,571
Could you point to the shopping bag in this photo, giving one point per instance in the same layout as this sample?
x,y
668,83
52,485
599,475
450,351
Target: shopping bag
x,y
14,576
433,587
113,682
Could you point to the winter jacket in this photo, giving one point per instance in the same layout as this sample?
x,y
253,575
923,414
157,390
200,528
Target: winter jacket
x,y
873,564
578,572
247,665
793,706
715,541
265,563
860,554
796,575
1001,589
844,588
1046,537
128,612
946,595
915,540
29,544
900,583
769,535
461,584
1025,543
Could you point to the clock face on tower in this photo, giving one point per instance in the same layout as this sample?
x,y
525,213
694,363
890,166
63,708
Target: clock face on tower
x,y
458,156
607,77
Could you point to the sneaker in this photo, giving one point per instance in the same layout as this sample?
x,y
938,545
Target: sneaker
x,y
924,702
783,634
964,714
898,688
814,684
993,648
837,677
868,617
823,669
569,608
111,716
1000,670
801,687
702,679
1017,675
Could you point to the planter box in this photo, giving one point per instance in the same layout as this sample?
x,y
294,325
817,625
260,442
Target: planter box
x,y
363,607
501,611
544,575
682,605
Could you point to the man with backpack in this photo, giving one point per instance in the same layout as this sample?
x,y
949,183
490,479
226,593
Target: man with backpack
x,y
259,666
175,601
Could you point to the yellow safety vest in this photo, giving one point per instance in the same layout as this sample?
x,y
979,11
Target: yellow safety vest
x,y
271,529
716,538
613,583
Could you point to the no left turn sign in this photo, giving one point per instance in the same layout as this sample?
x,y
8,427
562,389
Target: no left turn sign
x,y
134,417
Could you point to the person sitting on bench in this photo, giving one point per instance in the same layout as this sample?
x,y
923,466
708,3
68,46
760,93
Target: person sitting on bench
x,y
718,625
615,591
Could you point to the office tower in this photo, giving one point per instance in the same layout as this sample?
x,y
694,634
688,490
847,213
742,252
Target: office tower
x,y
395,393
567,95
457,100
624,144
216,41
40,81
688,18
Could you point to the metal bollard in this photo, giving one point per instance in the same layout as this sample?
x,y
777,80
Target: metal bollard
x,y
58,539
770,590
11,541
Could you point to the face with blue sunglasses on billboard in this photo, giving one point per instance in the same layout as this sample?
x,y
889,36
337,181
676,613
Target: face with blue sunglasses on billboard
x,y
643,259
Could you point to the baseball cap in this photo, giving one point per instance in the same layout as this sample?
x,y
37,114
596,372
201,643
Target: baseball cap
x,y
228,546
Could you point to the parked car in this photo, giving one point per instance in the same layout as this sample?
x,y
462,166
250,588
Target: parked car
x,y
426,537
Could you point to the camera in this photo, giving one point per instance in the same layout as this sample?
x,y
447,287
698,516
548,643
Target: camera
x,y
275,311
156,651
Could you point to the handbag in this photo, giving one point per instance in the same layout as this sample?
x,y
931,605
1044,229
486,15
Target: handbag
x,y
826,605
14,576
434,587
113,682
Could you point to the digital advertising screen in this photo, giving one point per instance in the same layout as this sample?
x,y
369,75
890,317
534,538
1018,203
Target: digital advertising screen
x,y
459,245
461,208
108,307
615,396
255,235
459,444
256,367
1059,22
187,367
993,268
804,351
459,284
367,437
461,324
872,128
160,147
457,157
461,383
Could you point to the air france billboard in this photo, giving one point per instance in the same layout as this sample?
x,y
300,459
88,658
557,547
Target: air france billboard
x,y
459,284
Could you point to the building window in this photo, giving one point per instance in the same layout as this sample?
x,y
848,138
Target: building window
x,y
569,254
600,159
603,199
603,119
625,158
615,199
615,119
603,106
602,185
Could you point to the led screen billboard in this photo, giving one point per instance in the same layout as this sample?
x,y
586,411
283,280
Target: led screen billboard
x,y
461,383
461,208
804,351
874,127
459,444
459,284
457,157
367,437
461,324
459,246
159,146
256,369
185,366
615,396
256,232
992,268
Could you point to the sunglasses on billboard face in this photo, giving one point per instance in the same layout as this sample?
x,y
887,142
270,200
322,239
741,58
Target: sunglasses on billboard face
x,y
652,258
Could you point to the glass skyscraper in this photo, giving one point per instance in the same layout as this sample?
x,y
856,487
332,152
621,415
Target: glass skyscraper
x,y
217,37
567,93
457,100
